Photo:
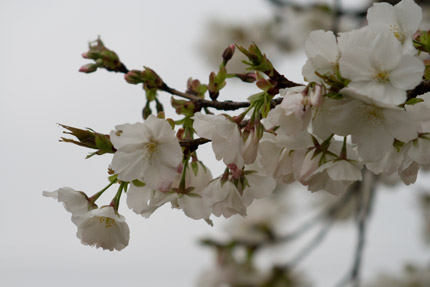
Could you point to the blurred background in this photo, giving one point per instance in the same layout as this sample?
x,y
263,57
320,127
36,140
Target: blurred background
x,y
40,86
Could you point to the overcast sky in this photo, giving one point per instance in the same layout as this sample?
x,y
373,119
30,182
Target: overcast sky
x,y
40,86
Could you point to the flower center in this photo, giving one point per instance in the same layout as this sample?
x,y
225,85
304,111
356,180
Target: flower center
x,y
382,76
150,148
107,221
398,33
374,115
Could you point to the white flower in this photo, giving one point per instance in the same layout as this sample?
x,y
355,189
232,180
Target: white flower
x,y
282,156
378,71
225,136
389,163
144,200
250,147
421,112
334,176
194,204
224,198
257,186
419,149
293,114
104,227
75,202
323,55
146,151
373,128
402,20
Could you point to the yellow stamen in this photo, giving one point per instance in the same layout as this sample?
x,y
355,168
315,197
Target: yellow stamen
x,y
107,221
398,33
373,115
150,148
382,76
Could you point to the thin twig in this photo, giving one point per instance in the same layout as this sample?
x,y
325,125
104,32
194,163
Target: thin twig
x,y
368,187
312,244
202,103
327,213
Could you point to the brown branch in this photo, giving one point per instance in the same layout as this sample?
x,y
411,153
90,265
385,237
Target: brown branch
x,y
202,103
281,83
422,88
193,143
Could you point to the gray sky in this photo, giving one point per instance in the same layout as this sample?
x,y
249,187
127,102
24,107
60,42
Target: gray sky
x,y
41,43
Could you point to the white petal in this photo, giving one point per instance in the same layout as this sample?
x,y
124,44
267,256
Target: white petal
x,y
408,74
322,43
381,13
409,15
104,228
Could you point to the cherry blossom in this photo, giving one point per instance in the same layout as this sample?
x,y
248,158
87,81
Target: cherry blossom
x,y
224,198
75,202
379,73
323,55
146,151
402,20
104,228
225,135
144,200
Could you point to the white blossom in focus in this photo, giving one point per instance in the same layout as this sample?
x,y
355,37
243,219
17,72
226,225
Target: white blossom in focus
x,y
147,151
227,143
104,227
194,204
402,20
372,128
224,198
334,176
75,202
293,114
144,200
323,55
250,147
257,186
379,73
282,156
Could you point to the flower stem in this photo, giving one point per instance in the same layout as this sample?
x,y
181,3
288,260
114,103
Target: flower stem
x,y
93,198
115,201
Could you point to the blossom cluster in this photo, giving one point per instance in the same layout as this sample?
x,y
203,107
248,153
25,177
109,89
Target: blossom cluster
x,y
354,113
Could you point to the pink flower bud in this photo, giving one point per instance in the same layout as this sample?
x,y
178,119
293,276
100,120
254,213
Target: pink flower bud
x,y
316,95
247,77
228,53
89,68
134,77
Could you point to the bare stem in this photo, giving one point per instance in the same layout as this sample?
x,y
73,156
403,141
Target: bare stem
x,y
364,210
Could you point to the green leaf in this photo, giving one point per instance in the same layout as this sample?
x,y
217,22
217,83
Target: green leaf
x,y
334,95
138,183
414,101
113,178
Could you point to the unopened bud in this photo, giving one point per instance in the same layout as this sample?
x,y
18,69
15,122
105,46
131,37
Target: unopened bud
x,y
151,78
88,68
146,112
247,77
228,53
264,84
316,94
134,77
416,35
